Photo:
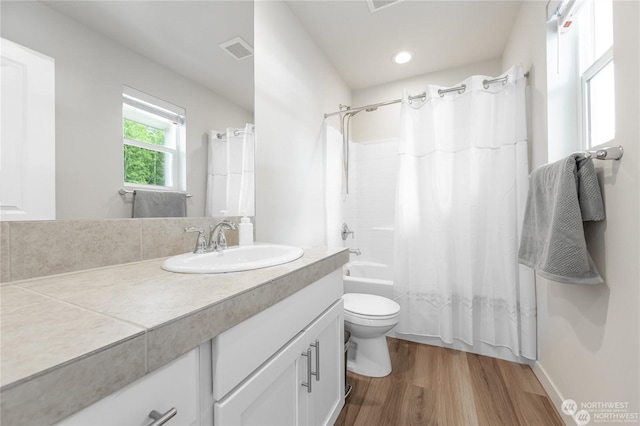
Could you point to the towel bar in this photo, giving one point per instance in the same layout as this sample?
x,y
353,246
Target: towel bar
x,y
123,191
606,153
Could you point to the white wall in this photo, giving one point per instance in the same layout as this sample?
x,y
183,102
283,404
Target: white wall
x,y
383,124
90,73
589,336
295,85
527,47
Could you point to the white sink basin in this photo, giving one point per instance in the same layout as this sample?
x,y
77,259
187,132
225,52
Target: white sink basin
x,y
233,259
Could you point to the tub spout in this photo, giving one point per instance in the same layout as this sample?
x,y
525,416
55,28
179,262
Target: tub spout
x,y
355,251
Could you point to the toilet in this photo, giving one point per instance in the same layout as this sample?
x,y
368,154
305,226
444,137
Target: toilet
x,y
368,317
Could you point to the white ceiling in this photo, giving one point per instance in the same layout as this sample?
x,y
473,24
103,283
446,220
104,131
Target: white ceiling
x,y
441,34
184,36
181,35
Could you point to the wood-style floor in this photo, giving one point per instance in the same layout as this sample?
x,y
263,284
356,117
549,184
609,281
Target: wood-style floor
x,y
430,385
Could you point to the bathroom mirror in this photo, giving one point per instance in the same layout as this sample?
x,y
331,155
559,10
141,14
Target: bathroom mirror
x,y
196,55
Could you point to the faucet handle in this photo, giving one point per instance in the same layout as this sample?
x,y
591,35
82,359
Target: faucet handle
x,y
201,243
346,231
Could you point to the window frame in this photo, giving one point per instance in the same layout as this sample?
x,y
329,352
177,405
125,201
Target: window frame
x,y
142,108
589,66
592,71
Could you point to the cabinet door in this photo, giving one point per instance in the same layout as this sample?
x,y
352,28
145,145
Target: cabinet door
x,y
273,395
325,336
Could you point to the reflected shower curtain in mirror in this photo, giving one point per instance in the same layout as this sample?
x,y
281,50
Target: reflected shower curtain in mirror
x,y
230,178
462,186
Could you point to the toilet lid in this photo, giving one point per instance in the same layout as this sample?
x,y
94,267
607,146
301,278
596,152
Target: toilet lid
x,y
369,305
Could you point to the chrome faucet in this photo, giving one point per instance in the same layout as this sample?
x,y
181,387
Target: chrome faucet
x,y
220,242
345,231
201,243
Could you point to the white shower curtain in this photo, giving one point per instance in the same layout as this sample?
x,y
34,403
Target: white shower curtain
x,y
230,177
462,186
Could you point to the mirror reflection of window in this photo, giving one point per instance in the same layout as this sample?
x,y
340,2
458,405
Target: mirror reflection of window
x,y
153,142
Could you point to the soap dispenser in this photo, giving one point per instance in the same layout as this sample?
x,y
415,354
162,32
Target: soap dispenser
x,y
246,232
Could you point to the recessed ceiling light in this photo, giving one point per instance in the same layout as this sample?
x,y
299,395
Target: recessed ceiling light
x,y
402,57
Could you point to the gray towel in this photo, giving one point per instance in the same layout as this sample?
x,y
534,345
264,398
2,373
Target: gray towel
x,y
561,196
159,204
589,195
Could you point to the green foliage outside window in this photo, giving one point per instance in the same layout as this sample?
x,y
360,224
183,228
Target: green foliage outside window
x,y
144,166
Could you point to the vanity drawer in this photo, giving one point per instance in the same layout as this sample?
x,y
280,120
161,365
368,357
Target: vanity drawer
x,y
173,386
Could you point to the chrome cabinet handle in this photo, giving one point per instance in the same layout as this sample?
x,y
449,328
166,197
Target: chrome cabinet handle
x,y
317,346
160,418
309,373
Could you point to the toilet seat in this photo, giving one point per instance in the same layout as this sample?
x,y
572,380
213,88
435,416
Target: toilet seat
x,y
368,308
370,321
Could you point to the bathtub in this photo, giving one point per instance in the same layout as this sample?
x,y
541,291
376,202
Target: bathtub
x,y
369,278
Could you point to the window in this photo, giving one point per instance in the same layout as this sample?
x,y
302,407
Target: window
x,y
580,75
597,72
153,142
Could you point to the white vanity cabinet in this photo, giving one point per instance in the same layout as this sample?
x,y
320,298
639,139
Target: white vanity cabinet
x,y
172,387
325,336
301,380
271,396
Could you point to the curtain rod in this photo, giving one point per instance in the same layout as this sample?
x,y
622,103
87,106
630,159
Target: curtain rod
x,y
236,132
441,92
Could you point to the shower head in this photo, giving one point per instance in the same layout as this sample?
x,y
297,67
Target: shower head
x,y
373,108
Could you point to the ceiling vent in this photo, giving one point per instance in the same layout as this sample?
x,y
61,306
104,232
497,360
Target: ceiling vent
x,y
238,48
376,5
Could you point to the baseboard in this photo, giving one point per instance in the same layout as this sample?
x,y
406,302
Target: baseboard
x,y
552,392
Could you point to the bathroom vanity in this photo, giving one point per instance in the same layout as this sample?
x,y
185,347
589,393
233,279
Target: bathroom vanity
x,y
114,345
288,363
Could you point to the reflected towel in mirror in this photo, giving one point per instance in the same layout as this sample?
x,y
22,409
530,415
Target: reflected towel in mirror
x,y
159,204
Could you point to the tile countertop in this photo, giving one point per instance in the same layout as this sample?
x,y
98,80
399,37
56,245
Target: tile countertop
x,y
69,340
